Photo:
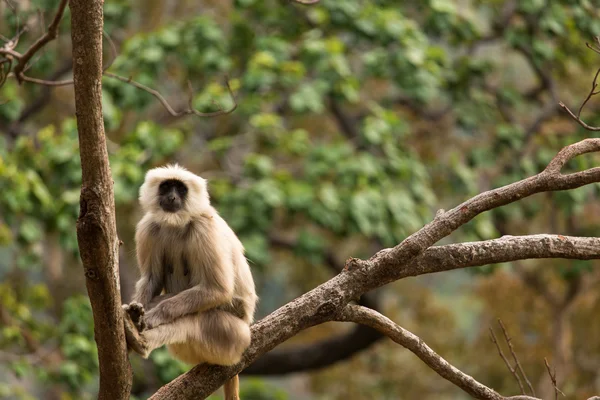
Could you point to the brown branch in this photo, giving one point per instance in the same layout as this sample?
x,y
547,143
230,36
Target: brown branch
x,y
163,101
323,353
51,34
96,227
319,305
517,362
579,120
553,379
407,339
406,259
306,2
513,370
592,92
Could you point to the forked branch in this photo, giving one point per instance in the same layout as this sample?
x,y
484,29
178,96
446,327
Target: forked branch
x,y
405,338
593,92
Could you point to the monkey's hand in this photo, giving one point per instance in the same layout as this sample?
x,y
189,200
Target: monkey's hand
x,y
136,313
135,340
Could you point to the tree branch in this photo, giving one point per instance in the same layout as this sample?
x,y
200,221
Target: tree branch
x,y
319,305
51,34
96,227
407,339
360,276
167,106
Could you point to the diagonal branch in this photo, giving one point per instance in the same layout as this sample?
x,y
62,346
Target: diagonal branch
x,y
316,306
323,353
51,34
406,259
407,339
163,101
515,358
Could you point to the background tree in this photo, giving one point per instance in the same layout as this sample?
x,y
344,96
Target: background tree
x,y
355,122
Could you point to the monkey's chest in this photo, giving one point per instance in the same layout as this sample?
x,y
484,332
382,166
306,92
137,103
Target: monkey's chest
x,y
176,272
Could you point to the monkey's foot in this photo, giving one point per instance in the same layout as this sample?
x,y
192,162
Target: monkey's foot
x,y
136,313
135,340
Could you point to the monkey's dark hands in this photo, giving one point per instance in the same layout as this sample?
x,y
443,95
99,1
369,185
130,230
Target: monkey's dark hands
x,y
135,339
136,313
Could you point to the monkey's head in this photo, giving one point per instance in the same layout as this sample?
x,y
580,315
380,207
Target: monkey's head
x,y
173,194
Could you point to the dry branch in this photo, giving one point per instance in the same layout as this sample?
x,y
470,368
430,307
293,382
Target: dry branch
x,y
407,339
515,358
316,307
593,92
553,379
407,259
50,35
96,226
513,370
167,106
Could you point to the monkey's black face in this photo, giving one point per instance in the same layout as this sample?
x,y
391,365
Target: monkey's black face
x,y
172,194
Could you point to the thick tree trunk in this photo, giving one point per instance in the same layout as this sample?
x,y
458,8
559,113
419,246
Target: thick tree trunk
x,y
96,227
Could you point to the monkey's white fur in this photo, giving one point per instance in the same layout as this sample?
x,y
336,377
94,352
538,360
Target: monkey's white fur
x,y
197,202
194,258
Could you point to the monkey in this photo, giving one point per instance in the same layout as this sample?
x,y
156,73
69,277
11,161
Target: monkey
x,y
196,292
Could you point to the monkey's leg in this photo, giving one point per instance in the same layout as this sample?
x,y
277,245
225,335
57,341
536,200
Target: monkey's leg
x,y
232,389
178,331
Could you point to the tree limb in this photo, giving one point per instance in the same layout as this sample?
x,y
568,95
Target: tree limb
x,y
96,226
318,305
360,276
407,339
51,34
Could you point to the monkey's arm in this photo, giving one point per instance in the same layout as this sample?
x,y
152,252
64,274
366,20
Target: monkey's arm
x,y
189,301
147,288
150,283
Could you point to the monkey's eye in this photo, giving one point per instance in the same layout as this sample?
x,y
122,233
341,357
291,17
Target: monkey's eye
x,y
182,189
163,187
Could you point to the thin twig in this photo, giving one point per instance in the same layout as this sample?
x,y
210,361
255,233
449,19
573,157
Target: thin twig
x,y
512,351
553,379
167,106
407,339
306,2
510,367
592,92
579,121
50,35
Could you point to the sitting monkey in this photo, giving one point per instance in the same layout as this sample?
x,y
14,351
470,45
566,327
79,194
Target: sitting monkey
x,y
187,252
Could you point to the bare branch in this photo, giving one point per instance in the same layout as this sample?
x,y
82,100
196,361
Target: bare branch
x,y
323,353
306,2
407,339
319,305
553,379
517,363
576,118
163,101
592,92
50,35
512,369
407,259
385,266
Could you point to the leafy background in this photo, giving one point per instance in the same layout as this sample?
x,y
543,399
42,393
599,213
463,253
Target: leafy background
x,y
356,121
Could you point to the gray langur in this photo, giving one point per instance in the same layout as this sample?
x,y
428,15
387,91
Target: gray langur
x,y
196,293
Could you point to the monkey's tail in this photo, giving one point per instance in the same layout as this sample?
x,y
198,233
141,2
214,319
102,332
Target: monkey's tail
x,y
232,389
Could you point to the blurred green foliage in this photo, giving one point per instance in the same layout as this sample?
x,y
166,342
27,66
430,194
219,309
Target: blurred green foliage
x,y
356,120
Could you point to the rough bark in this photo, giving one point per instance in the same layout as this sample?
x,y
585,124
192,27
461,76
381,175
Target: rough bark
x,y
322,303
96,227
